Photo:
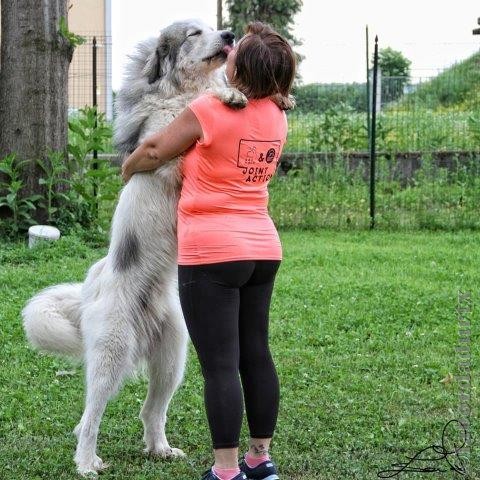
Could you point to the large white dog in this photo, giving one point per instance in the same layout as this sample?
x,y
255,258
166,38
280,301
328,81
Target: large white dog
x,y
127,310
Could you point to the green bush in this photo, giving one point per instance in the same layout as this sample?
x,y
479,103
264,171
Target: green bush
x,y
20,207
94,183
77,189
338,129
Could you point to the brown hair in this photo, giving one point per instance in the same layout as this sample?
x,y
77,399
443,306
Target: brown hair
x,y
265,63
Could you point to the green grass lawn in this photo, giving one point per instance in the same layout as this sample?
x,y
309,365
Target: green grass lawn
x,y
363,328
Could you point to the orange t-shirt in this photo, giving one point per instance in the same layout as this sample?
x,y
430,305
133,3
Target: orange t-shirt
x,y
222,213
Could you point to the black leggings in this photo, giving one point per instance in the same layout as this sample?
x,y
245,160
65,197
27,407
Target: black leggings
x,y
226,306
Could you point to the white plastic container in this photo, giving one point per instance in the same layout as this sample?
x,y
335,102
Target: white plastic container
x,y
38,233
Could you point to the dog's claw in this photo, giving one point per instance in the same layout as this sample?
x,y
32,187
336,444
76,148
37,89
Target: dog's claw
x,y
165,452
91,470
284,103
237,99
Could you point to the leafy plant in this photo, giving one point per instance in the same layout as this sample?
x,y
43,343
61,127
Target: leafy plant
x,y
73,39
20,207
383,136
55,170
92,181
88,131
335,131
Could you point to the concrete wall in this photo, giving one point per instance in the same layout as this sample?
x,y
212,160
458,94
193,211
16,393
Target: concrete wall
x,y
87,17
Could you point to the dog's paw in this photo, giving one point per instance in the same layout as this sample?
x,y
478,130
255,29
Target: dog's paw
x,y
164,452
91,468
282,102
231,96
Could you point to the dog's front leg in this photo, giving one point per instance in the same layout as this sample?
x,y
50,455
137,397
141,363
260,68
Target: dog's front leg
x,y
230,96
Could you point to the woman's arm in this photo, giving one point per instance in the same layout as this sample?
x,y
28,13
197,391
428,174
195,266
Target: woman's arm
x,y
161,147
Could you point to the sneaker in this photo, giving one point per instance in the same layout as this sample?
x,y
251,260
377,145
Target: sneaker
x,y
209,475
265,471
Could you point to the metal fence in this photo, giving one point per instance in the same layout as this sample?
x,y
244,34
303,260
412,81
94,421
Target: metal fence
x,y
439,190
84,73
427,152
427,148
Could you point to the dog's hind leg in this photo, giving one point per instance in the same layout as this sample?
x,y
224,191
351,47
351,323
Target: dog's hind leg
x,y
166,367
107,363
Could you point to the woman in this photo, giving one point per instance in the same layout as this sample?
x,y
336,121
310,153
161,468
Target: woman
x,y
228,248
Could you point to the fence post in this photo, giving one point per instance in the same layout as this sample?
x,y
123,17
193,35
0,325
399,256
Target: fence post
x,y
95,106
373,136
368,87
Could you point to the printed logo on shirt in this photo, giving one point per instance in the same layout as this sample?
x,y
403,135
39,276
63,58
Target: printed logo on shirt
x,y
258,159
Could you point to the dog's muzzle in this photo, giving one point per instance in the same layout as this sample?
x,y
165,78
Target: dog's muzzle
x,y
228,38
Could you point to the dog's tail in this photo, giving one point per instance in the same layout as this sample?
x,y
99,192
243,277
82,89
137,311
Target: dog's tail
x,y
52,320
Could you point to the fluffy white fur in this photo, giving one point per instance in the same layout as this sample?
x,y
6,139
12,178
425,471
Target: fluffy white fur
x,y
127,310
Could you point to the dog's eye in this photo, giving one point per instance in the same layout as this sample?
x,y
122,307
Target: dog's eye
x,y
197,32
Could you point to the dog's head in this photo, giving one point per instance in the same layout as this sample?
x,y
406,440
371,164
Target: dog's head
x,y
186,50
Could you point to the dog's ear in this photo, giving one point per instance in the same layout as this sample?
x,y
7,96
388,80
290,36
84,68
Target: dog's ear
x,y
158,62
153,67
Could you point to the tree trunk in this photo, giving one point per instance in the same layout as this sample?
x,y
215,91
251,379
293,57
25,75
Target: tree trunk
x,y
33,83
219,15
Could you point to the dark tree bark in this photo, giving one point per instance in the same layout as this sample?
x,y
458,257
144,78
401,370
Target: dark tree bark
x,y
33,83
219,15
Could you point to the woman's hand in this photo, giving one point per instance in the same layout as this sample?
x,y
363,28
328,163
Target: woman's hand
x,y
126,174
161,147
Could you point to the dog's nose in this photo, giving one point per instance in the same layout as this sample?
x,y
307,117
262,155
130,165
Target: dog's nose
x,y
228,37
